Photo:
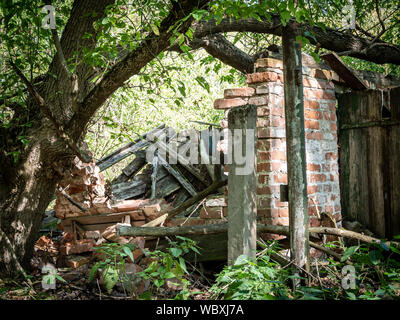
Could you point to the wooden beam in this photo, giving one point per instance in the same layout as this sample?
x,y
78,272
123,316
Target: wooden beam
x,y
343,71
181,160
186,184
128,149
295,148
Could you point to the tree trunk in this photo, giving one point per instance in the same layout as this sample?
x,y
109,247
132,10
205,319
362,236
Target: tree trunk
x,y
25,191
70,100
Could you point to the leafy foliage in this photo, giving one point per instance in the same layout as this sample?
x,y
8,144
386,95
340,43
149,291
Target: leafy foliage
x,y
377,272
170,265
112,263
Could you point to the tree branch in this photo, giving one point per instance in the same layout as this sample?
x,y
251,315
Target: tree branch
x,y
219,47
133,62
330,39
47,112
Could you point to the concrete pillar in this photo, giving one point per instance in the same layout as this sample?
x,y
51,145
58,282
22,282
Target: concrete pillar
x,y
242,182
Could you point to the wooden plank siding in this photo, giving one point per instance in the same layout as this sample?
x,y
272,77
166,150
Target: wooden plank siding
x,y
394,164
369,161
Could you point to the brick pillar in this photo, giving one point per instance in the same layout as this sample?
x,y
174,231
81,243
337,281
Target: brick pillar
x,y
266,91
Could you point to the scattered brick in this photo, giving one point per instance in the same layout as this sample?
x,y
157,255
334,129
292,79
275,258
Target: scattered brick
x,y
239,92
229,103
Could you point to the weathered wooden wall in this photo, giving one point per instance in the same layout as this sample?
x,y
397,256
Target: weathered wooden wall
x,y
369,158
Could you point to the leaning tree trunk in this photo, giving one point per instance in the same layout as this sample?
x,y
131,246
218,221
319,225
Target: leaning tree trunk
x,y
26,189
69,102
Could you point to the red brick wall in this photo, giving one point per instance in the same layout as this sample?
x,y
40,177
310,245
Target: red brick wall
x,y
266,91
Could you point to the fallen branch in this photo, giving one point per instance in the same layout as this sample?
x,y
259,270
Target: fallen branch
x,y
124,230
325,250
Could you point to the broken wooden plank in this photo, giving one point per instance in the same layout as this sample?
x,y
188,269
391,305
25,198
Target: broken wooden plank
x,y
123,149
127,190
133,168
166,186
72,201
180,159
181,196
131,205
106,218
123,154
187,185
343,71
126,151
124,230
204,153
156,222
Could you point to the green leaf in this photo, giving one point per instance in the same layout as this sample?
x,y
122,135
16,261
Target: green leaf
x,y
58,277
155,29
349,251
198,14
182,90
110,276
394,249
176,252
375,257
169,275
351,295
128,252
158,282
242,259
380,292
183,264
93,271
203,82
285,17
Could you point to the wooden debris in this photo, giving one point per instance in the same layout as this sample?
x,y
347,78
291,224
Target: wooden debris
x,y
127,190
337,65
147,194
200,196
127,150
177,176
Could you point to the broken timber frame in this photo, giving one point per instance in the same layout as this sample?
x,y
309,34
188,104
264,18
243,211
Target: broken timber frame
x,y
295,148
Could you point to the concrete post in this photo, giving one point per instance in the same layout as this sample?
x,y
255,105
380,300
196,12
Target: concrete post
x,y
242,182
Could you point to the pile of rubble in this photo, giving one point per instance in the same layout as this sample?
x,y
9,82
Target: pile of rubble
x,y
147,189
